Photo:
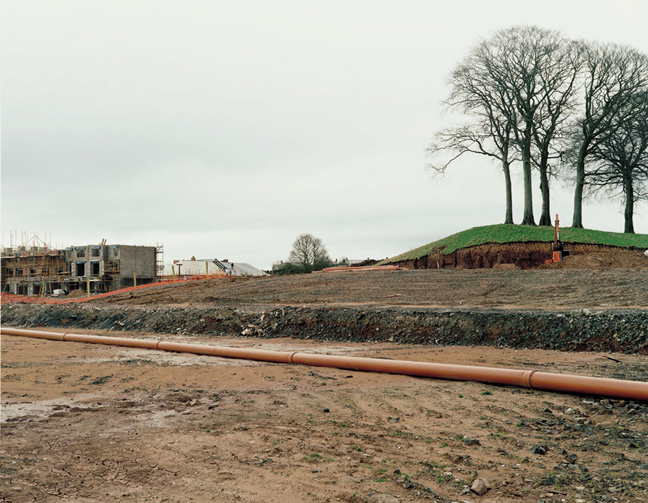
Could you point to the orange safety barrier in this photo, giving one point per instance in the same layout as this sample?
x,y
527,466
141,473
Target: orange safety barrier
x,y
345,268
616,388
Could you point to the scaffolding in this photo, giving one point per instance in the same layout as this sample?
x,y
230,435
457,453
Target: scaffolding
x,y
159,259
32,267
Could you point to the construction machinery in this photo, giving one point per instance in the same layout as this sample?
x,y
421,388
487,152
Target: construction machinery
x,y
558,249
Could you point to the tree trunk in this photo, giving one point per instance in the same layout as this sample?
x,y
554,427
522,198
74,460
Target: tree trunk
x,y
545,217
629,206
526,167
506,166
577,220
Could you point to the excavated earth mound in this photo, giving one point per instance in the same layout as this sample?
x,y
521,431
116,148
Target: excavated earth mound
x,y
531,256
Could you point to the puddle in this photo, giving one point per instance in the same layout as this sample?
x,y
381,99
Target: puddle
x,y
43,408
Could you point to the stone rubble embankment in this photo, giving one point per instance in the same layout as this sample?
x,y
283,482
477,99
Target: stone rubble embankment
x,y
618,330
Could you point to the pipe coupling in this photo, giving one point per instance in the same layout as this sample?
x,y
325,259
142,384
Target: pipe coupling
x,y
526,378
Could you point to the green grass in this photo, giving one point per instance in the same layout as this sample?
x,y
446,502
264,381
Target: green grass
x,y
502,233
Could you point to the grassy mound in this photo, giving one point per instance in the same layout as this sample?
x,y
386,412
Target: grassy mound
x,y
503,233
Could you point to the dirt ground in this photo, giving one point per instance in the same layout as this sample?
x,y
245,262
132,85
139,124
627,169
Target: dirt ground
x,y
90,423
504,289
93,423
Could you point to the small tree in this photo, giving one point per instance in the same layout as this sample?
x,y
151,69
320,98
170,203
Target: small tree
x,y
310,253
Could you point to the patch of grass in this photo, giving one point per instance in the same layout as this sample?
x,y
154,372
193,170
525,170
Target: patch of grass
x,y
486,393
100,380
502,233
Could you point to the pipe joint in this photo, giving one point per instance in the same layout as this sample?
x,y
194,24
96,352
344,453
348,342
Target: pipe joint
x,y
526,378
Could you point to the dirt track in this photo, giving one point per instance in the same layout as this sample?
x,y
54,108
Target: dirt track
x,y
93,423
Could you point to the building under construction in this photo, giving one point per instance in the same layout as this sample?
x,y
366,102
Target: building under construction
x,y
26,269
103,268
40,270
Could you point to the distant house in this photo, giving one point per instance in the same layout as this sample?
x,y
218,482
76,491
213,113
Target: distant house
x,y
199,267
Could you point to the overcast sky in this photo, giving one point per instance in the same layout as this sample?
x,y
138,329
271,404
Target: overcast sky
x,y
226,129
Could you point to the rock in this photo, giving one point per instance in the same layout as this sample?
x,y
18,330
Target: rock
x,y
326,410
480,486
471,441
539,449
179,397
572,458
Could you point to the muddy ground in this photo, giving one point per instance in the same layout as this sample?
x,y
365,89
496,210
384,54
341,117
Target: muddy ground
x,y
94,423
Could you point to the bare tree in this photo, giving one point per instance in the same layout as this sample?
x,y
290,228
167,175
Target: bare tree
x,y
536,74
309,252
621,159
611,77
518,84
557,78
474,93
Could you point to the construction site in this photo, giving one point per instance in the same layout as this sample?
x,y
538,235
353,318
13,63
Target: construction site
x,y
220,389
34,268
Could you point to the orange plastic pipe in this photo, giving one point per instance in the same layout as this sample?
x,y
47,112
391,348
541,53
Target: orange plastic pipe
x,y
616,388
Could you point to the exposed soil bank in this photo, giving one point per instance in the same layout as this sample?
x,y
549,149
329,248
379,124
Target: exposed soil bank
x,y
579,330
530,256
